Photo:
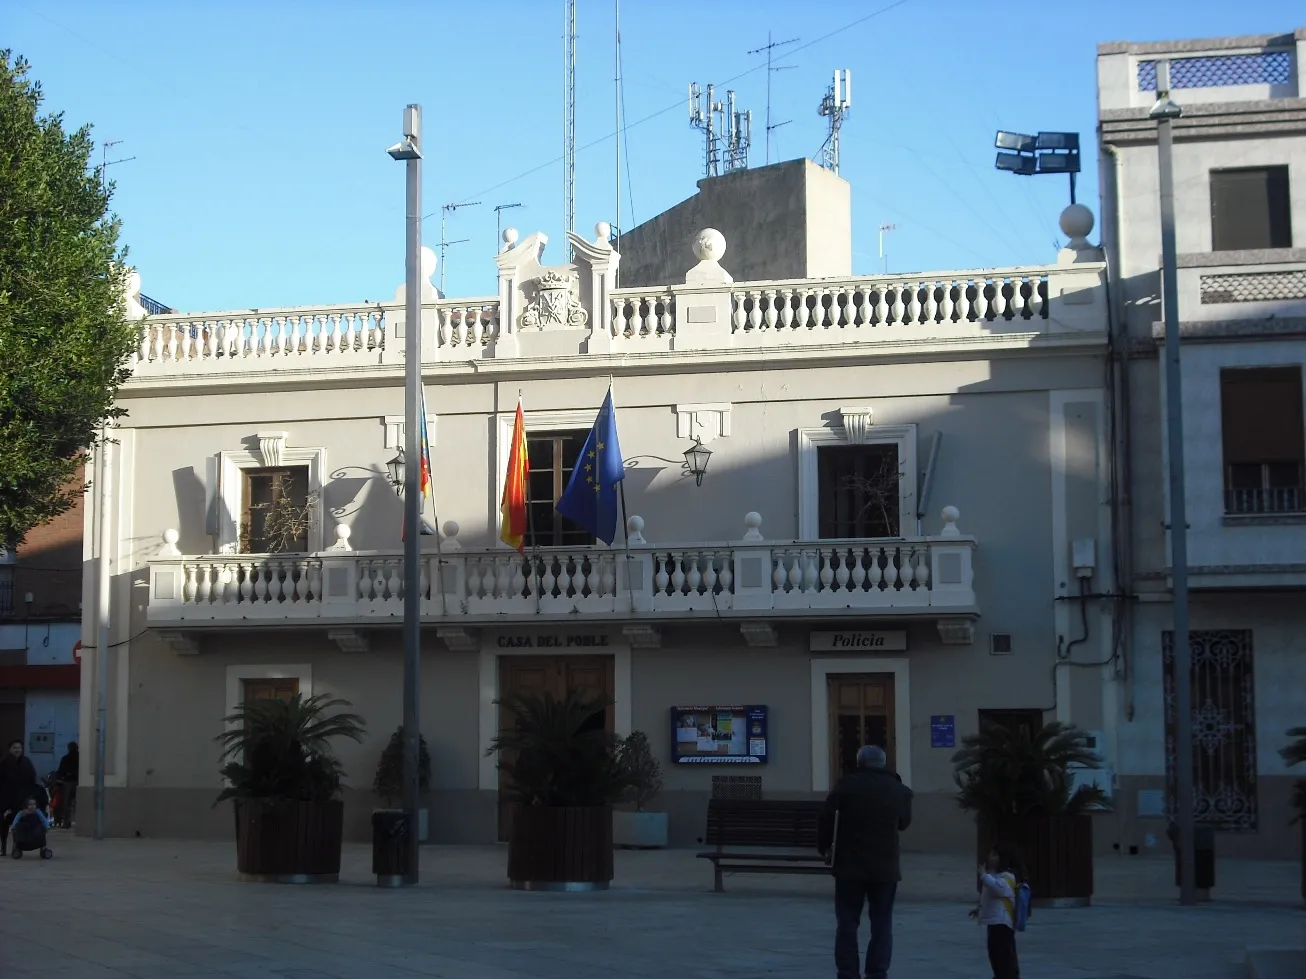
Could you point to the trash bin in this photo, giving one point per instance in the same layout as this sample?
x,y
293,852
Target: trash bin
x,y
390,846
1203,857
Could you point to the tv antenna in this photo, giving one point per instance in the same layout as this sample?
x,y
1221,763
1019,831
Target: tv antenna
x,y
720,122
445,211
883,229
105,162
769,48
498,222
569,120
835,106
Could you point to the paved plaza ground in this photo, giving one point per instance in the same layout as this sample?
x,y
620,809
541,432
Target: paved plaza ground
x,y
161,908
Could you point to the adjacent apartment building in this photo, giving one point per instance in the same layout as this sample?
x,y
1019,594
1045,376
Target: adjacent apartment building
x,y
40,630
1240,199
901,530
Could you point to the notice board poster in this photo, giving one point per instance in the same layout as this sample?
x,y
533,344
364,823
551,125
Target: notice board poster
x,y
719,735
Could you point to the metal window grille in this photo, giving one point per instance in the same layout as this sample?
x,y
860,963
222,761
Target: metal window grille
x,y
1223,725
1253,287
746,788
1221,70
1268,500
6,590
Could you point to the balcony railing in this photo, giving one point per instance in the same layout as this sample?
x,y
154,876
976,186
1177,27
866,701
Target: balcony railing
x,y
1249,502
753,314
745,578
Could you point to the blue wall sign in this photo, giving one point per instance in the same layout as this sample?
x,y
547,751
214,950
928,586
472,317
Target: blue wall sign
x,y
943,731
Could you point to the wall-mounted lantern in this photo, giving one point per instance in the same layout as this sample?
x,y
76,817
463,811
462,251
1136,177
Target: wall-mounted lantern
x,y
696,459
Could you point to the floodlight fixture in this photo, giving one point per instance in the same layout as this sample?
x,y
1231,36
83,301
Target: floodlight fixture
x,y
1018,142
1017,163
1057,141
1058,163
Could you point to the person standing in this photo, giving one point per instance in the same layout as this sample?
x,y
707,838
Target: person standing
x,y
867,810
17,783
68,773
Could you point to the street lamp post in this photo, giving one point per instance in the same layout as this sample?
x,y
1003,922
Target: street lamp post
x,y
1165,112
409,152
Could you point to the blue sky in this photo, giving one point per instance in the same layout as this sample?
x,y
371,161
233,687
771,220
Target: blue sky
x,y
258,130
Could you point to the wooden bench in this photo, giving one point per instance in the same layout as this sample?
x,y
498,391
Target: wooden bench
x,y
770,823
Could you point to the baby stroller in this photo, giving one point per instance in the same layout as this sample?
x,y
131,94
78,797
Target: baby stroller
x,y
29,834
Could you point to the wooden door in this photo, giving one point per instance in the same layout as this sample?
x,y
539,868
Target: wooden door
x,y
590,675
271,688
861,713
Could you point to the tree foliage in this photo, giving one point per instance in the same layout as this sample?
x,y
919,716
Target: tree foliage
x,y
64,340
1001,772
558,753
389,780
636,757
281,749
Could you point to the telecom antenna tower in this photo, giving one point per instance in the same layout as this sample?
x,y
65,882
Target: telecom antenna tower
x,y
569,121
834,106
712,117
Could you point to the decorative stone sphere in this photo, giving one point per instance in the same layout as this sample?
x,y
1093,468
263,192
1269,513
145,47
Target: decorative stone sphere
x,y
635,525
429,262
950,514
603,231
343,531
170,537
451,528
510,236
1076,221
752,520
710,245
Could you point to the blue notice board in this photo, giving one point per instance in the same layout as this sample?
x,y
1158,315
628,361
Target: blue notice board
x,y
943,731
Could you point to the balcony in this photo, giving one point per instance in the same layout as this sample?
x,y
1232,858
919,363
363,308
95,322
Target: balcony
x,y
752,579
575,310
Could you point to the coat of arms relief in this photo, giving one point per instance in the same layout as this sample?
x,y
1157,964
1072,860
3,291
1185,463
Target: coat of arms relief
x,y
556,303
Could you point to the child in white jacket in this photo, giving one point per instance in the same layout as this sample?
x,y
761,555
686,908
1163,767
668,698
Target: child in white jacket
x,y
999,878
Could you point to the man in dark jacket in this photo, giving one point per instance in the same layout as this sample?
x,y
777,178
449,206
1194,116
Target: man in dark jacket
x,y
17,784
872,807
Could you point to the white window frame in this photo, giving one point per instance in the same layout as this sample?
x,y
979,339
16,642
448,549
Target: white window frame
x,y
230,492
238,674
557,420
810,442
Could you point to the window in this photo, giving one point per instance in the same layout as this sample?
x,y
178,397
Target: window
x,y
1250,209
552,457
1026,720
274,514
1263,442
858,490
6,589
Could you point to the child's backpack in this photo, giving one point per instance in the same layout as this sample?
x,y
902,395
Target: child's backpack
x,y
1024,903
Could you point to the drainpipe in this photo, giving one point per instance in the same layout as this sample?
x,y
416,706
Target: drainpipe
x,y
1122,441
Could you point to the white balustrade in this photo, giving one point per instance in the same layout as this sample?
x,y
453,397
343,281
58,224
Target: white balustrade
x,y
502,585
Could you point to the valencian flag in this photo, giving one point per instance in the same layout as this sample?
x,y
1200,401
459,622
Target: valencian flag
x,y
512,509
590,499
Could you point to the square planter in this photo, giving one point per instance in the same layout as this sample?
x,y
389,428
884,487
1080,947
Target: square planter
x,y
639,830
560,849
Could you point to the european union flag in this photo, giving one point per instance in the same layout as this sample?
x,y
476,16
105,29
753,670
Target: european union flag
x,y
590,498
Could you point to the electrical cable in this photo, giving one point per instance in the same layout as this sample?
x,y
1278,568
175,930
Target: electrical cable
x,y
679,103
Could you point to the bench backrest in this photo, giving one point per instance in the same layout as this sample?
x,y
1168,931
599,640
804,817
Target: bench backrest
x,y
765,822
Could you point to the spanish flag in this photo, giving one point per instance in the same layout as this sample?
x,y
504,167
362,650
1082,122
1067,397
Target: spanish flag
x,y
512,525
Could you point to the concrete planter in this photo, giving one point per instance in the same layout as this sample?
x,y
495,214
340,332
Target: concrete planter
x,y
639,830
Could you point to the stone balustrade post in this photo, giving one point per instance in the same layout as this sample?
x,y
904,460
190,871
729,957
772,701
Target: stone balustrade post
x,y
1077,288
752,567
703,303
396,328
167,577
952,573
447,573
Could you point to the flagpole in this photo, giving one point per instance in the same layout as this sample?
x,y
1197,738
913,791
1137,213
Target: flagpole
x,y
530,519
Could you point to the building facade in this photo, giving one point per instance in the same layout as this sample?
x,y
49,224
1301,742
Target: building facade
x,y
1240,201
40,629
905,505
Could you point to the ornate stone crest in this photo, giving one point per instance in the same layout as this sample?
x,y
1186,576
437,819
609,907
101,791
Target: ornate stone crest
x,y
556,303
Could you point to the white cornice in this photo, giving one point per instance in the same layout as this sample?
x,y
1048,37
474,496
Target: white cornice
x,y
318,375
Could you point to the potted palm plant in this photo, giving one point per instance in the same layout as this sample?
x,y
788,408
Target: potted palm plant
x,y
284,783
563,778
1295,754
639,829
1018,784
389,780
